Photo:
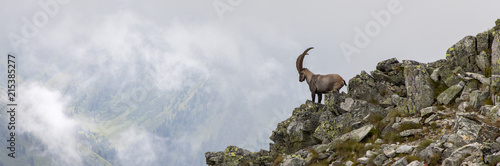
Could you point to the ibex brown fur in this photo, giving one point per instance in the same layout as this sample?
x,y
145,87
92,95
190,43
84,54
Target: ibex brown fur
x,y
318,84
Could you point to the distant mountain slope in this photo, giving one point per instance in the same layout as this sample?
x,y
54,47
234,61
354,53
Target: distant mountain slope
x,y
105,110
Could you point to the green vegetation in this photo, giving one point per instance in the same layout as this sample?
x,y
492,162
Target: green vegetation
x,y
411,158
320,163
314,153
393,113
408,126
439,88
492,122
348,149
423,144
487,71
412,138
351,149
374,101
278,160
488,101
433,125
382,92
497,25
441,107
346,130
435,159
392,137
378,122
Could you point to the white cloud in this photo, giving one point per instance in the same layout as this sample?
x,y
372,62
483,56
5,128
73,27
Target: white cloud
x,y
137,147
42,113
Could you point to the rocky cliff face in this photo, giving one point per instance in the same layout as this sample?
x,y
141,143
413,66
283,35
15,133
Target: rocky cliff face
x,y
403,113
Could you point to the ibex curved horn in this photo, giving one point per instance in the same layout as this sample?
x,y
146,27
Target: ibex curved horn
x,y
300,59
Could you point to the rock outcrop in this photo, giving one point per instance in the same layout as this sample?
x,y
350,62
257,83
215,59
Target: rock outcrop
x,y
402,113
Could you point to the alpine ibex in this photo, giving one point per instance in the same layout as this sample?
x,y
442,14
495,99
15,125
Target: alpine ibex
x,y
318,84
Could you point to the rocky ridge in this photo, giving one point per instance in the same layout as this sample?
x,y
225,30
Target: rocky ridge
x,y
403,113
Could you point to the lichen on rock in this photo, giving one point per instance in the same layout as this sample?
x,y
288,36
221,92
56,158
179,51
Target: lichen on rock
x,y
419,86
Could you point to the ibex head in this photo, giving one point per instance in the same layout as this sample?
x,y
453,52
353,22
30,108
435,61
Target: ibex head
x,y
300,69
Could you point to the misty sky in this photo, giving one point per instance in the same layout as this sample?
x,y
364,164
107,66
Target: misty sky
x,y
248,47
278,30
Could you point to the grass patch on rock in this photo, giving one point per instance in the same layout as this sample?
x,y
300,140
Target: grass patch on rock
x,y
379,124
320,163
348,149
393,137
435,159
487,71
411,158
351,149
408,126
439,88
423,144
434,126
488,101
278,160
314,153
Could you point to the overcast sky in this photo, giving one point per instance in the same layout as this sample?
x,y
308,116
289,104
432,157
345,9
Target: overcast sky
x,y
279,30
250,47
